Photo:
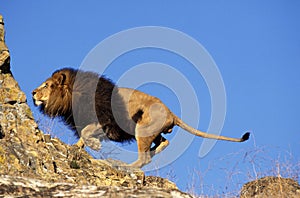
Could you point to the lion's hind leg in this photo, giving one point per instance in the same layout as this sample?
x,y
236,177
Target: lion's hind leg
x,y
160,144
144,157
145,152
148,130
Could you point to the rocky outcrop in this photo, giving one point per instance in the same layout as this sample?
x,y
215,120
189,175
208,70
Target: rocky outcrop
x,y
34,164
271,187
4,52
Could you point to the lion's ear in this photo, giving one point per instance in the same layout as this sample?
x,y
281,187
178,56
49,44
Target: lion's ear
x,y
61,79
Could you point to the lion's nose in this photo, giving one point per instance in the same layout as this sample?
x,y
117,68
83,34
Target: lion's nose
x,y
33,92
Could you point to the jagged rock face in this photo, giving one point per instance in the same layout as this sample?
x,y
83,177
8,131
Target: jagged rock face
x,y
271,187
34,164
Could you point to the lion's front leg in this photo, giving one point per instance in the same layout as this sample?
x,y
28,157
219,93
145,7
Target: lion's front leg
x,y
91,136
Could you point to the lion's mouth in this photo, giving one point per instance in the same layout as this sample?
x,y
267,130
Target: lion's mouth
x,y
37,102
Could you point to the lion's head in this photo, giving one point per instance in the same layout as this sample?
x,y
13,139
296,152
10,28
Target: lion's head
x,y
54,95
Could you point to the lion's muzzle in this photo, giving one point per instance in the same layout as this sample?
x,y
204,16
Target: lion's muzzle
x,y
35,100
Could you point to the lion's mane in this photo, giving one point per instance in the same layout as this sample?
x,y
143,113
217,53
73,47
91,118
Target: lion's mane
x,y
75,96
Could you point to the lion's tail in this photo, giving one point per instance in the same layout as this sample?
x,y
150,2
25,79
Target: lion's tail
x,y
194,131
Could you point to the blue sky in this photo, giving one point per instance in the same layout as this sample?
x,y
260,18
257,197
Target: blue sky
x,y
255,45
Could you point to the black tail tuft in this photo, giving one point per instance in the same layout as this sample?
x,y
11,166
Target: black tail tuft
x,y
245,136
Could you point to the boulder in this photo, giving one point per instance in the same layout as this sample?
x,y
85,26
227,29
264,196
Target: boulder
x,y
271,187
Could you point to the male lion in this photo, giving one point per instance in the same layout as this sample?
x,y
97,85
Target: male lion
x,y
96,109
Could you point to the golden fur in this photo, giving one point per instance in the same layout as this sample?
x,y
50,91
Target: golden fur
x,y
123,114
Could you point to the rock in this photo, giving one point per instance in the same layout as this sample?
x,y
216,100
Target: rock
x,y
4,52
34,164
27,187
9,90
271,187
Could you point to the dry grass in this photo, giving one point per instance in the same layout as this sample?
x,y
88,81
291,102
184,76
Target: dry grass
x,y
242,167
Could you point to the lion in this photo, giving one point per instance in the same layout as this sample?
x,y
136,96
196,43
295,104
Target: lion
x,y
96,110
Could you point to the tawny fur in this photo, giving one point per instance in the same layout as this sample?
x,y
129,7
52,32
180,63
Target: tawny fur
x,y
122,114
